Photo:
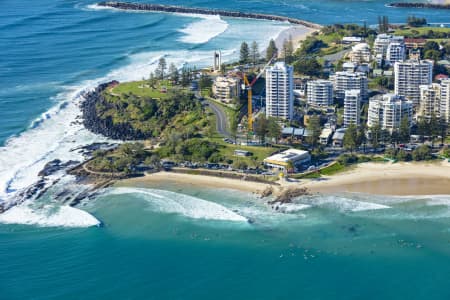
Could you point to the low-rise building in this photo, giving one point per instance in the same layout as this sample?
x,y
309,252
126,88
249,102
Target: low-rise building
x,y
360,53
325,136
226,88
338,137
285,159
388,110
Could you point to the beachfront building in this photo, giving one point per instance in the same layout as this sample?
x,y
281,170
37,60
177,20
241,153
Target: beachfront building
x,y
430,101
279,91
388,111
344,81
410,75
320,93
226,88
360,53
285,159
445,100
396,51
352,106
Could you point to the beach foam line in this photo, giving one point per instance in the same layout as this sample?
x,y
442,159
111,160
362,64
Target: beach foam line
x,y
188,206
344,204
203,31
49,216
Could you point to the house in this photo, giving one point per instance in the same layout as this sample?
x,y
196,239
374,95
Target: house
x,y
338,137
325,136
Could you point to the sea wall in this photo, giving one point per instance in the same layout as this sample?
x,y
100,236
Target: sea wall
x,y
205,11
420,5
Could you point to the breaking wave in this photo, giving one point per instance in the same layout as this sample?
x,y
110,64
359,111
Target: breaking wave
x,y
188,206
49,216
202,31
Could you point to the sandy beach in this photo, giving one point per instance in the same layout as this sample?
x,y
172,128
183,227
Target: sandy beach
x,y
371,178
388,179
297,33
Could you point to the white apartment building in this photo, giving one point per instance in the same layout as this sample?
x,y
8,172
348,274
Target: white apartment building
x,y
410,75
279,91
381,45
320,93
430,101
352,107
360,53
226,88
388,111
344,81
396,51
445,100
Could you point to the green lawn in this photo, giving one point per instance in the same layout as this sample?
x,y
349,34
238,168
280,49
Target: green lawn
x,y
142,89
420,31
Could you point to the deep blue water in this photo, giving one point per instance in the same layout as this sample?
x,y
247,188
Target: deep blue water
x,y
51,50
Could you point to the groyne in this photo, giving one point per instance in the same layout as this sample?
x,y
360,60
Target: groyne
x,y
205,11
419,5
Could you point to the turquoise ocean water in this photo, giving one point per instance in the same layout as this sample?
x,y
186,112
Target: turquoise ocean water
x,y
174,241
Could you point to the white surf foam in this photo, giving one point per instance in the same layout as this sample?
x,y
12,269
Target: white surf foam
x,y
49,216
202,31
188,206
344,204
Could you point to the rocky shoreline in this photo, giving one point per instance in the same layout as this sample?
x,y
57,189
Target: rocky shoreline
x,y
419,5
205,11
106,126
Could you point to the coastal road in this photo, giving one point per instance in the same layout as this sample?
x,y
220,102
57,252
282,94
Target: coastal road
x,y
221,118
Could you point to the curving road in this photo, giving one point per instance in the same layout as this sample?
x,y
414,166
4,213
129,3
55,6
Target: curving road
x,y
221,118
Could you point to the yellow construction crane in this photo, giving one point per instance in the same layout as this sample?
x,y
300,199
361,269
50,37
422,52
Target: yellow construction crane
x,y
248,86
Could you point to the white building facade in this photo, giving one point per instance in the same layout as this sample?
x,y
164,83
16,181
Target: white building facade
x,y
430,101
410,75
388,111
226,89
396,51
320,93
445,100
279,91
344,81
360,53
352,107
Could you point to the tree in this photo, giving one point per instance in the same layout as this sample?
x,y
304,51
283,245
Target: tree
x,y
260,127
254,52
310,67
443,127
431,45
204,82
162,66
152,80
173,71
288,50
433,55
383,24
375,135
422,152
404,133
273,129
244,53
351,138
272,50
234,120
314,130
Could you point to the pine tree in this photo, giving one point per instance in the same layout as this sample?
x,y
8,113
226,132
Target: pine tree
x,y
288,50
244,53
254,53
272,50
351,138
162,66
173,71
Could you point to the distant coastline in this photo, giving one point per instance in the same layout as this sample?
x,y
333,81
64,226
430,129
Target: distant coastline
x,y
205,11
419,5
